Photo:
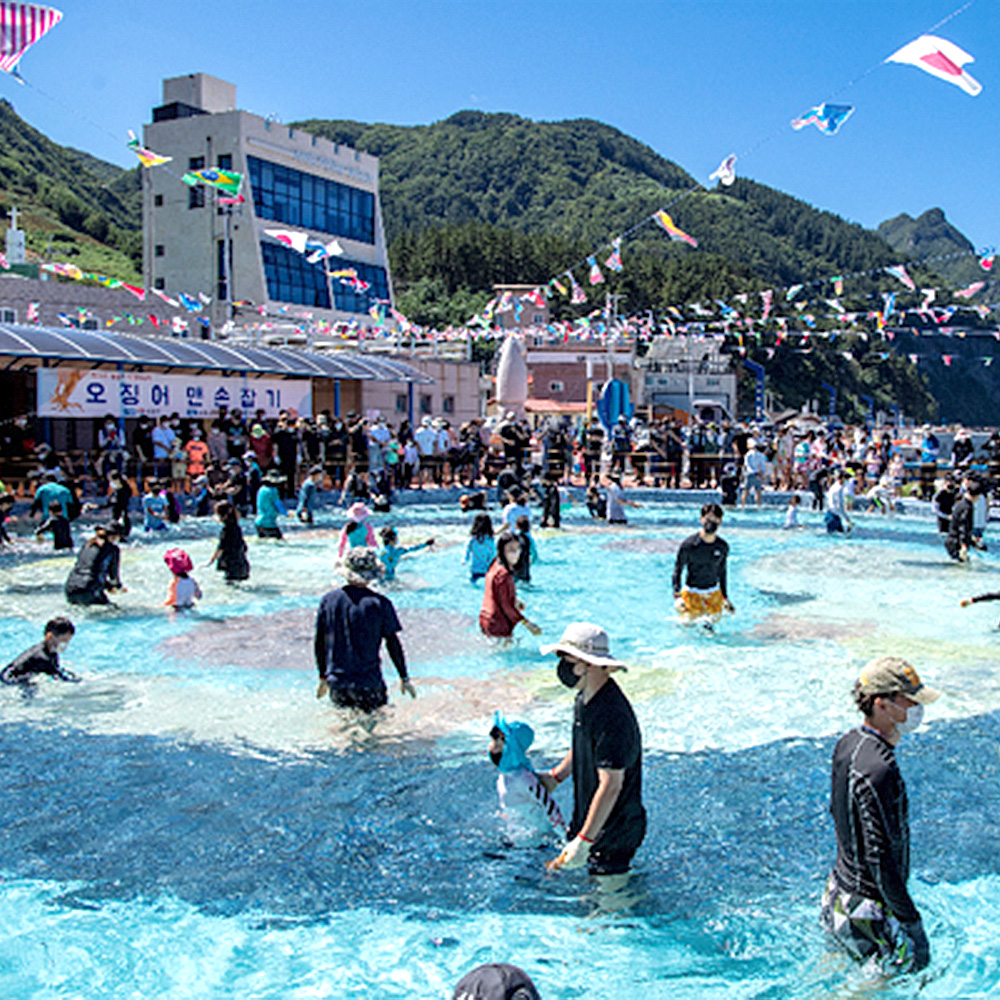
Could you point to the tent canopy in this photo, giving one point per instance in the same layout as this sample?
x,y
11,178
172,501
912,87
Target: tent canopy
x,y
26,346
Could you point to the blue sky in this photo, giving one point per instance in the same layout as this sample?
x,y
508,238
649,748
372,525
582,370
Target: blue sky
x,y
693,79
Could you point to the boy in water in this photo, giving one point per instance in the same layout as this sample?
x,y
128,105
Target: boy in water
x,y
525,803
58,523
42,659
392,552
700,571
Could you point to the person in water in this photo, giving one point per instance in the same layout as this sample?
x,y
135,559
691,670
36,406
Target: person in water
x,y
97,568
481,548
605,759
351,625
269,505
525,802
309,495
58,523
867,907
230,556
700,570
392,551
357,531
184,589
43,659
497,981
501,609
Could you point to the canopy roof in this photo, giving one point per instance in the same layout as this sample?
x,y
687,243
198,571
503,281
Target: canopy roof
x,y
22,346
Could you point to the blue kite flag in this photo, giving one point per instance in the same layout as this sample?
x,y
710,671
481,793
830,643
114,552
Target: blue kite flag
x,y
827,118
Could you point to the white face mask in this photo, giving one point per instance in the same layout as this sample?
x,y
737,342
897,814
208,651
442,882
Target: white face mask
x,y
914,716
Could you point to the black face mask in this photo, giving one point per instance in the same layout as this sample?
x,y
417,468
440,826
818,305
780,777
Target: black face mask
x,y
711,527
566,674
495,756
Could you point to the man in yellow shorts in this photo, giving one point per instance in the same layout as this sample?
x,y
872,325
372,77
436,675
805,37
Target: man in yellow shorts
x,y
700,571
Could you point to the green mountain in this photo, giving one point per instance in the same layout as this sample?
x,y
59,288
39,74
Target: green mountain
x,y
72,206
931,235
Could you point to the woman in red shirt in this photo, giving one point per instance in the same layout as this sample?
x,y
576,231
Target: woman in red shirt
x,y
501,609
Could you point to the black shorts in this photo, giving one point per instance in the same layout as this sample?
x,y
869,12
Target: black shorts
x,y
364,698
615,858
87,597
265,532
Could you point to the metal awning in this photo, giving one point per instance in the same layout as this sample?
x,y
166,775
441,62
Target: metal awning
x,y
40,344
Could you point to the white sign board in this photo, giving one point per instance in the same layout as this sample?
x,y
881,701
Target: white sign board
x,y
76,392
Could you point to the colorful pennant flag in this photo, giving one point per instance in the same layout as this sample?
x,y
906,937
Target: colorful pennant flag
x,y
225,180
767,298
792,291
139,293
614,262
290,238
33,312
725,173
899,271
838,285
671,230
968,292
578,296
940,58
146,156
595,276
21,25
986,263
828,118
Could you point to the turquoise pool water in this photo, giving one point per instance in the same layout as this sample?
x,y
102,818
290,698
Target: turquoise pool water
x,y
191,822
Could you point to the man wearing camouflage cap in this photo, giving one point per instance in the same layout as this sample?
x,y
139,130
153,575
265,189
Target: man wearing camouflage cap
x,y
351,623
866,905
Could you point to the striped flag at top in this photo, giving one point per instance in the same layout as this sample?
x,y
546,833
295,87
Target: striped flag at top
x,y
21,25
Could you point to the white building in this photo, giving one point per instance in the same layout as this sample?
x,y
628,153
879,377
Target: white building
x,y
292,181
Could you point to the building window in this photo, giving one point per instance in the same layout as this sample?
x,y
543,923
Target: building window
x,y
158,200
447,404
290,278
159,284
281,194
401,402
225,161
538,318
425,405
556,387
8,315
196,163
158,250
196,196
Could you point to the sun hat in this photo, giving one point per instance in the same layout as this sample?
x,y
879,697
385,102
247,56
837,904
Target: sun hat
x,y
178,561
257,431
588,642
358,511
362,564
894,675
273,476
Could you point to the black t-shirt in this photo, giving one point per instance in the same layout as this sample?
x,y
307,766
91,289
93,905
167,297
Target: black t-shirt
x,y
606,735
960,527
350,626
705,563
871,813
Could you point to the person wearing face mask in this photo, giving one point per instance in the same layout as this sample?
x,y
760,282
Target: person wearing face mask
x,y
700,571
867,907
43,658
605,761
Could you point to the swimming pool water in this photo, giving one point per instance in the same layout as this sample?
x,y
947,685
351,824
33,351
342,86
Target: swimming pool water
x,y
191,822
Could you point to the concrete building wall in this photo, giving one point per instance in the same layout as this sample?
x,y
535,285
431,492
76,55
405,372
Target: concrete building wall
x,y
552,366
456,386
189,236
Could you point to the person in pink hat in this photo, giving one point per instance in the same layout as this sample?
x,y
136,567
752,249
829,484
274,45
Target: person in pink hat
x,y
357,531
183,590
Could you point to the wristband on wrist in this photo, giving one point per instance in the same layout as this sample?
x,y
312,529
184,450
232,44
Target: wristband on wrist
x,y
586,840
555,777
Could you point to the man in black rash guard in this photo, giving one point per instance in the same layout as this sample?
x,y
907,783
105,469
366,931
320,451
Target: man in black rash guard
x,y
609,820
703,556
43,658
351,623
960,526
866,905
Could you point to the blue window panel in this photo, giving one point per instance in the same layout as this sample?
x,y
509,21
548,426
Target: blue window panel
x,y
291,196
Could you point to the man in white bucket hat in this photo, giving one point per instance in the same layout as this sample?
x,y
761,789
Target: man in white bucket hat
x,y
609,821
